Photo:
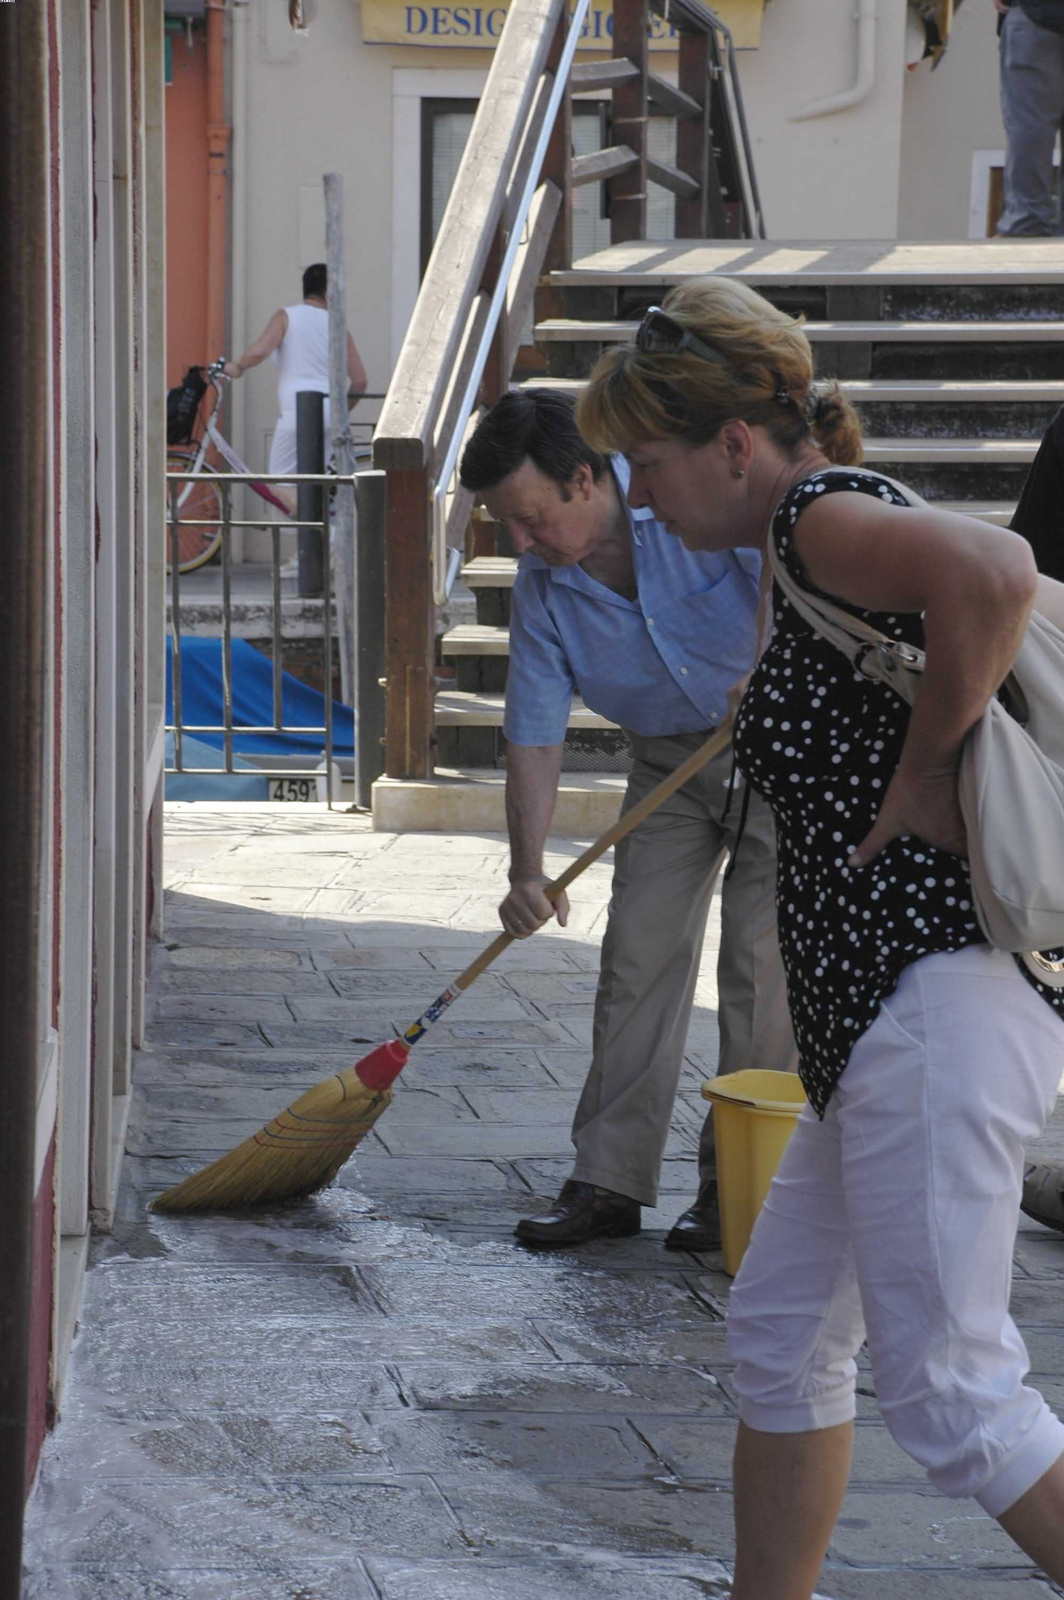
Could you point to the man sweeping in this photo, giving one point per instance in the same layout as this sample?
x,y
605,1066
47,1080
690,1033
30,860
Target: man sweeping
x,y
652,636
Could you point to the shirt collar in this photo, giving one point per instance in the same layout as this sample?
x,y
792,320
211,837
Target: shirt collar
x,y
622,472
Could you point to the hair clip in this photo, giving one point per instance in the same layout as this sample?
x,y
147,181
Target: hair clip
x,y
782,395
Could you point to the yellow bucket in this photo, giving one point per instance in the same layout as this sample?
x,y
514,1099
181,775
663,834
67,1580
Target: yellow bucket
x,y
754,1114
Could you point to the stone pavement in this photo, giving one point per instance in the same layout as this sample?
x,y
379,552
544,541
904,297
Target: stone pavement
x,y
376,1393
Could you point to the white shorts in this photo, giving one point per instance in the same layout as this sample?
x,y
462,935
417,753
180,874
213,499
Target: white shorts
x,y
897,1215
283,443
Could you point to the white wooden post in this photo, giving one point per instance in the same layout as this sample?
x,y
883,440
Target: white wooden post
x,y
106,624
79,650
343,450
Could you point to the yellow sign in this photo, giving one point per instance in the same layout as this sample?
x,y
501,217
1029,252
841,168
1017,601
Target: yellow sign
x,y
478,24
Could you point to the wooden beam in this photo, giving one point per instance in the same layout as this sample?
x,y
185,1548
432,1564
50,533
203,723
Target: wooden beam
x,y
456,267
546,204
602,74
494,379
523,165
469,343
557,169
409,628
671,178
674,102
723,207
458,512
603,164
627,192
692,136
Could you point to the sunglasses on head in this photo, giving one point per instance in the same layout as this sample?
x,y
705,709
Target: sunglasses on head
x,y
660,334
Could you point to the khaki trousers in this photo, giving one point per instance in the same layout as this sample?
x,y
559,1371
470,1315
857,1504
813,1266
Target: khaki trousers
x,y
663,879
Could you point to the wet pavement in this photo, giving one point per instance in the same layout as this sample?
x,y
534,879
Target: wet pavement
x,y
376,1394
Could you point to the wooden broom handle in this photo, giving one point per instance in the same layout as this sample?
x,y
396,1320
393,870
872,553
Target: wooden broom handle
x,y
718,741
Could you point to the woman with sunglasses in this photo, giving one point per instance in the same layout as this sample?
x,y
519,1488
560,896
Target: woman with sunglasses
x,y
929,1059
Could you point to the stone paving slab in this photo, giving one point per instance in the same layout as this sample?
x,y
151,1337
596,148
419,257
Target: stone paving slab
x,y
374,1393
256,980
514,1515
137,1444
544,1288
219,1522
214,957
281,1580
482,1444
158,1380
370,1026
899,1583
599,1578
484,1006
561,1387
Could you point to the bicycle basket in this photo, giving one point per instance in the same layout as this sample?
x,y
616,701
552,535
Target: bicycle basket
x,y
182,404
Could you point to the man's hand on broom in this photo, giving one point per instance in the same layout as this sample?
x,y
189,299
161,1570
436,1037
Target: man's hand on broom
x,y
526,908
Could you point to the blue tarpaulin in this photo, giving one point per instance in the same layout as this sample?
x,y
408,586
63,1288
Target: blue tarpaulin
x,y
201,786
303,707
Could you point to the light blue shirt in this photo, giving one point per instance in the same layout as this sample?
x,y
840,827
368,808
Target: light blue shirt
x,y
660,664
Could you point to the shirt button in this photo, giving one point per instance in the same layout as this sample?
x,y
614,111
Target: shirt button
x,y
650,622
683,672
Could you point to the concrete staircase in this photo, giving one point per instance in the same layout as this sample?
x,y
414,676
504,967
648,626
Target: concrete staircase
x,y
953,354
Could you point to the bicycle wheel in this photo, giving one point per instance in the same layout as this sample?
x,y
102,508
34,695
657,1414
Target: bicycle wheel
x,y
199,531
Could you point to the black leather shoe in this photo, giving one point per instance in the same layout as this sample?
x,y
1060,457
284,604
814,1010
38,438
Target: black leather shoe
x,y
1043,1194
581,1212
699,1226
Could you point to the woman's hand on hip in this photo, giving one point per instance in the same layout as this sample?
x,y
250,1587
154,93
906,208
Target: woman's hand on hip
x,y
923,804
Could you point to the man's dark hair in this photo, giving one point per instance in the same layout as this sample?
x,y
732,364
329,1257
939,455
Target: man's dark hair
x,y
536,425
316,281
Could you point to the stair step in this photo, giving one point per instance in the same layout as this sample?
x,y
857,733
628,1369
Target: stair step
x,y
997,512
476,639
898,391
472,800
494,572
953,452
853,262
490,572
572,330
456,708
991,391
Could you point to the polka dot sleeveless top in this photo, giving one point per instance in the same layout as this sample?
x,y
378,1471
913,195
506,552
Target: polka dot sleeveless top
x,y
821,743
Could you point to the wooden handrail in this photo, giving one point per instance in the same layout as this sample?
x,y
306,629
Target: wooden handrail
x,y
405,432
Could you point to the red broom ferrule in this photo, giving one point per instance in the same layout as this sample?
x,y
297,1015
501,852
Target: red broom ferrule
x,y
382,1066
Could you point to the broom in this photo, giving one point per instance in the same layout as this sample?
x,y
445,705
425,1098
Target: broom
x,y
302,1150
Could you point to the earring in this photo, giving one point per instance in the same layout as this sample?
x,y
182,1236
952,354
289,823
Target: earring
x,y
739,473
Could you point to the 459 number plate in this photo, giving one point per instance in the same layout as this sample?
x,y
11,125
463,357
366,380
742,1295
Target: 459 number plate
x,y
293,788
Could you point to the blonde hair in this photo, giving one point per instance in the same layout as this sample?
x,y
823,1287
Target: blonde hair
x,y
765,378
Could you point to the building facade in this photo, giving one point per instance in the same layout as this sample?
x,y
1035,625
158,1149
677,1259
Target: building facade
x,y
383,91
81,643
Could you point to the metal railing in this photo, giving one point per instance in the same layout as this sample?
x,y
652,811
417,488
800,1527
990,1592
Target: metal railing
x,y
443,567
225,482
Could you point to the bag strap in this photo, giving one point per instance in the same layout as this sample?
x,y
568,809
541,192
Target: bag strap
x,y
872,654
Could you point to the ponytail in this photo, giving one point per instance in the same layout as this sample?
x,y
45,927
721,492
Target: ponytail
x,y
835,424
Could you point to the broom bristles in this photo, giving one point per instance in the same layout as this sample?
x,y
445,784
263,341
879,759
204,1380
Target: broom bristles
x,y
297,1153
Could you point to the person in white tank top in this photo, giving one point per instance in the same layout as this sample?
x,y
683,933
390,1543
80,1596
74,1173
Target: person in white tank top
x,y
296,339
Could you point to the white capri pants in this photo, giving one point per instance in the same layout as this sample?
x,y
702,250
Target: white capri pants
x,y
897,1216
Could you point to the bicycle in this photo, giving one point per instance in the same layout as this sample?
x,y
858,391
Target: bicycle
x,y
199,501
